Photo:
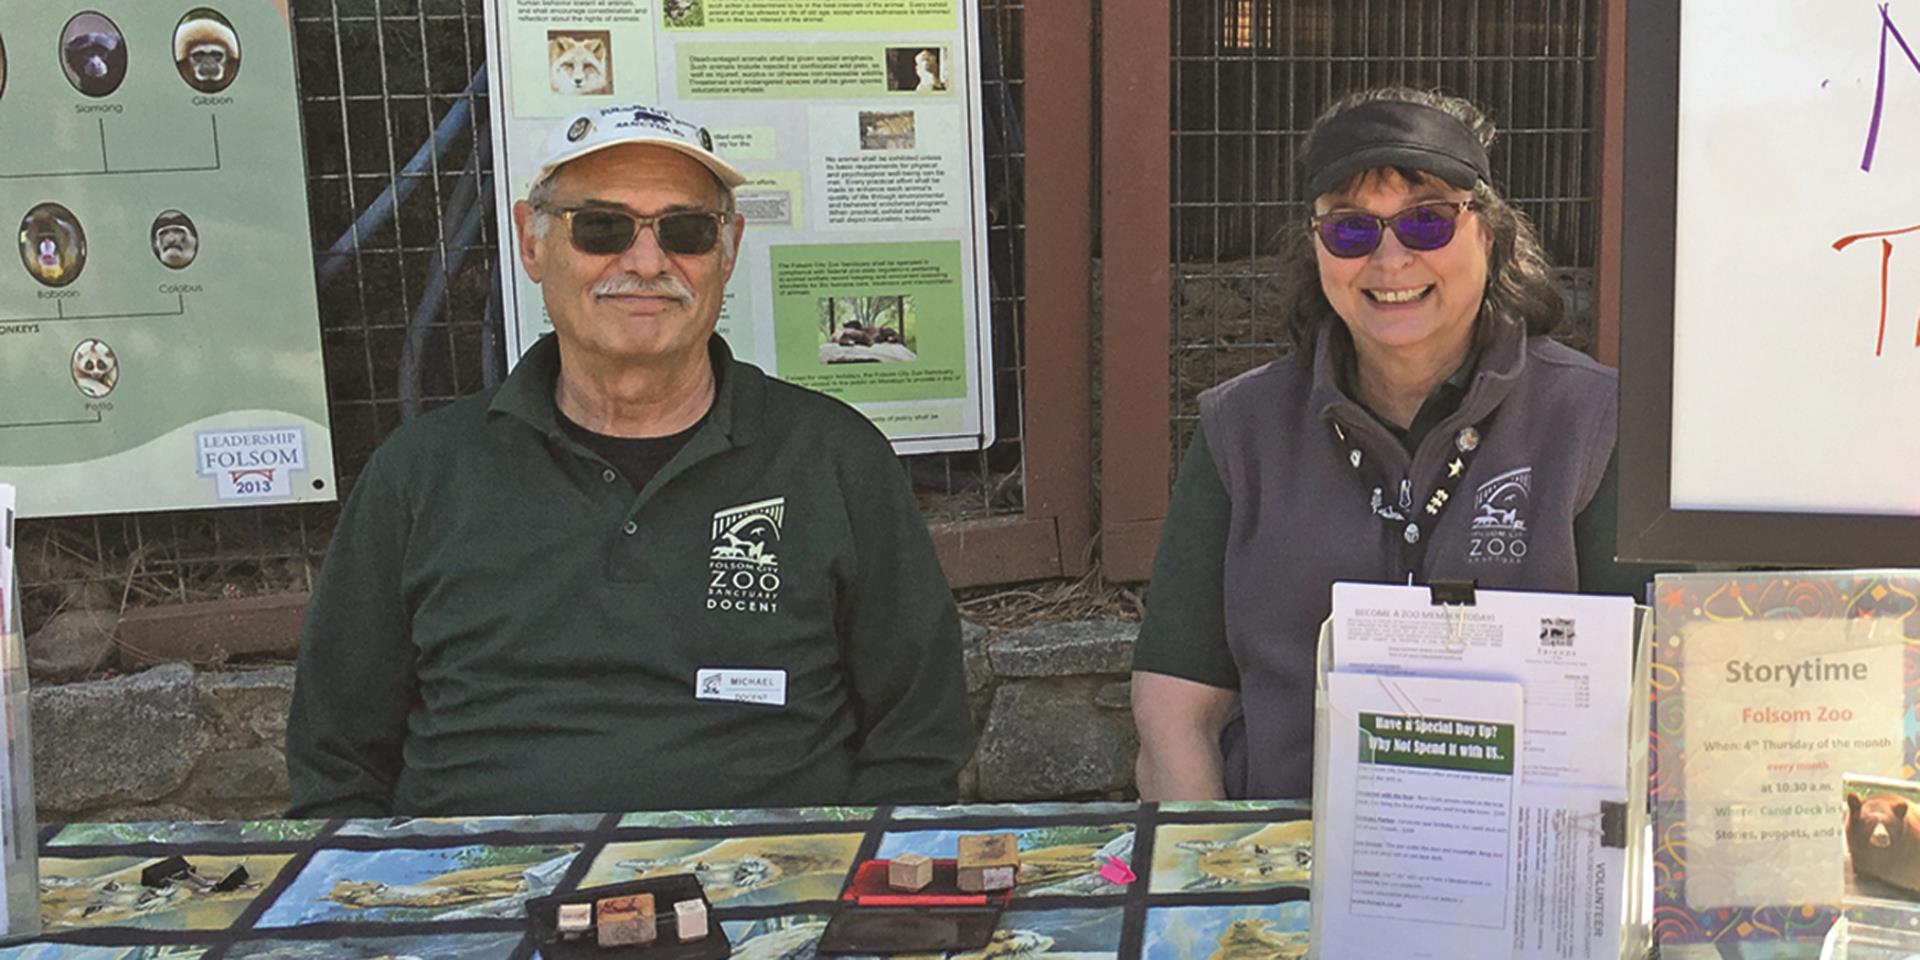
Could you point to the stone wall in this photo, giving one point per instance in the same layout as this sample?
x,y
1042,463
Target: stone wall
x,y
176,743
170,743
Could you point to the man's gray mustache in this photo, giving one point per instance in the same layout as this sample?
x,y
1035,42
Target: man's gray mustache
x,y
646,286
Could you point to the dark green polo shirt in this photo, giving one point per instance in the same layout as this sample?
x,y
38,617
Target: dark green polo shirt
x,y
504,626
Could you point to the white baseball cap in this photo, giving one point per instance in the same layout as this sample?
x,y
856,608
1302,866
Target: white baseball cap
x,y
594,130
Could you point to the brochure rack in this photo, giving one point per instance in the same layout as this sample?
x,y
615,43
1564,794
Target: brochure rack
x,y
1625,828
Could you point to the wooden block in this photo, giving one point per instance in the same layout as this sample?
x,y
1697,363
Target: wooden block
x,y
987,861
574,920
211,631
910,872
625,921
690,918
987,850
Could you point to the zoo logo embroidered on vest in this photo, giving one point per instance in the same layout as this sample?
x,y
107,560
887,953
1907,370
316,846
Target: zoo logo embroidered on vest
x,y
1499,518
743,566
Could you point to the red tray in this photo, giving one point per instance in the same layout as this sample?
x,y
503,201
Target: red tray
x,y
869,889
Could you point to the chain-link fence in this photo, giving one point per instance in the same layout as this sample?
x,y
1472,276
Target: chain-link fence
x,y
393,103
1249,78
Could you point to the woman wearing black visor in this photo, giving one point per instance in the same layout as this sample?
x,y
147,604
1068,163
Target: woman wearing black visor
x,y
1423,428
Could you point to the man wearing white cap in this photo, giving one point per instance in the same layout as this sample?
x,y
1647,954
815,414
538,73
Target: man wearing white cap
x,y
641,573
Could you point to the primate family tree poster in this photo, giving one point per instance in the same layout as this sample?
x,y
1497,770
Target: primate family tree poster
x,y
159,334
857,123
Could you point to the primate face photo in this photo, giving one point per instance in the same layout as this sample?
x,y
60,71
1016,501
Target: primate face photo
x,y
176,241
95,369
52,245
93,53
206,50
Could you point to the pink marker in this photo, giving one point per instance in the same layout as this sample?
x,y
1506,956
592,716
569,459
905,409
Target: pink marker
x,y
1117,873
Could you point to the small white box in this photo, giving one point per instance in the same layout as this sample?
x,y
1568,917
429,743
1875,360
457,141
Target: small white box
x,y
690,919
574,920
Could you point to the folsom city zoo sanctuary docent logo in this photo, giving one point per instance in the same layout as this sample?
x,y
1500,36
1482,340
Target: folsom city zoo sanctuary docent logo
x,y
1500,518
251,464
743,565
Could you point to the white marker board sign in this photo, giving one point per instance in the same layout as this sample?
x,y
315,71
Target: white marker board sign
x,y
1771,282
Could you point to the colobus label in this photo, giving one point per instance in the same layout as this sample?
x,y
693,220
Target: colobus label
x,y
251,464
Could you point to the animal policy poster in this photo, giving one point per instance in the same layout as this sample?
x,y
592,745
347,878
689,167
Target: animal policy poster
x,y
159,331
862,273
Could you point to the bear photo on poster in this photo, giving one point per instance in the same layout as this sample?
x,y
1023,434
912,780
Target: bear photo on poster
x,y
580,62
882,329
93,54
206,50
1883,839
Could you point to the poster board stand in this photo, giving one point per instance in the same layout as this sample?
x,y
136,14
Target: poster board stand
x,y
863,272
1627,827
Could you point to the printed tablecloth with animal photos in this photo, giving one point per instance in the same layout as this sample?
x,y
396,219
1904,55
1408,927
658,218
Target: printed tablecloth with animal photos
x,y
1226,881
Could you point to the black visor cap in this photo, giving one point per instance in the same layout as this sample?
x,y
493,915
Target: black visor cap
x,y
1394,133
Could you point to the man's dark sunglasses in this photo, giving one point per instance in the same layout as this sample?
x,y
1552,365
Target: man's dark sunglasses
x,y
1425,226
606,231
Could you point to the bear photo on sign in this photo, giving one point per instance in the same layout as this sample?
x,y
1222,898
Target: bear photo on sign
x,y
1882,839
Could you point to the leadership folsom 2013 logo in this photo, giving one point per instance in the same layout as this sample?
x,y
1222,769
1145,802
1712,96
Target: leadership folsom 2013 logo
x,y
743,566
1500,518
251,464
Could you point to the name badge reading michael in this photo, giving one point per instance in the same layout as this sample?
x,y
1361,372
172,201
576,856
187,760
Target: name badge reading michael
x,y
742,686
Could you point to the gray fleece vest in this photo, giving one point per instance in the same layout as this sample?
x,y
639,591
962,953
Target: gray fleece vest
x,y
1303,514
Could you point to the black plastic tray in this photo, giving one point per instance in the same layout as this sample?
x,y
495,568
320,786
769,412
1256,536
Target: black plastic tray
x,y
886,930
543,914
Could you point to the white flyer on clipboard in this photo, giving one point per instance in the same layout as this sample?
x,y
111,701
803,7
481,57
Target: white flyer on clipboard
x,y
1418,857
1572,656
